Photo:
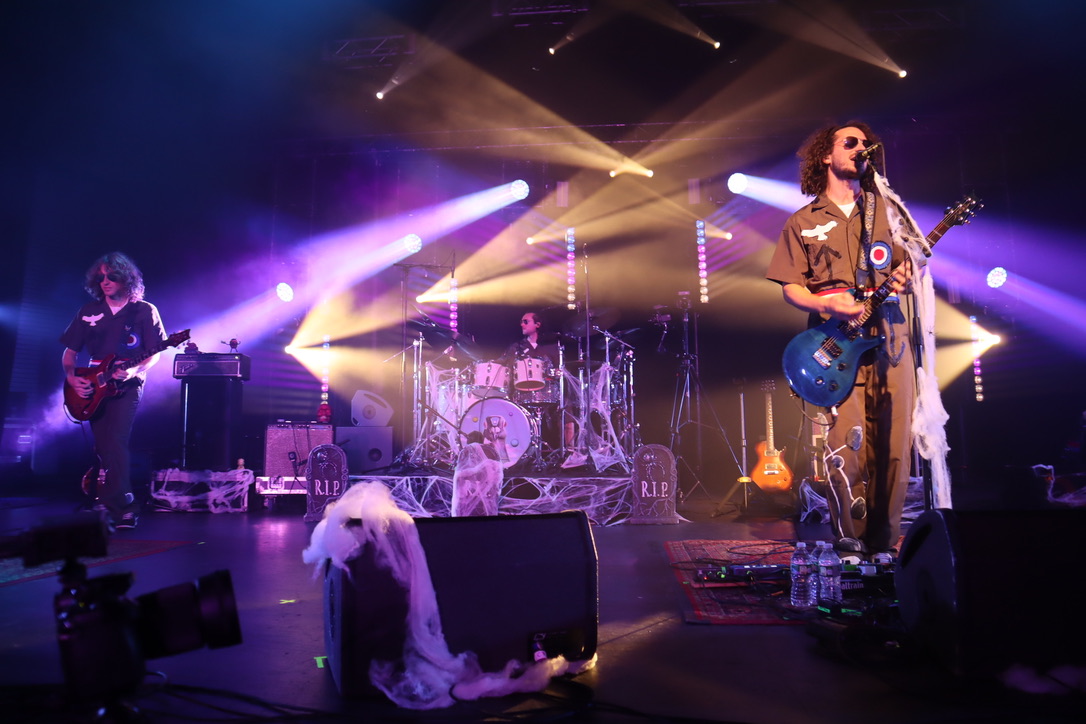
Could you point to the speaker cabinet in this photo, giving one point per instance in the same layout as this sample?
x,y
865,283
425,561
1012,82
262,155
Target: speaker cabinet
x,y
287,446
367,448
506,587
210,423
982,590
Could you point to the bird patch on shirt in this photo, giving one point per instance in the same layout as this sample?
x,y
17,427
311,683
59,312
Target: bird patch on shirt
x,y
819,232
93,319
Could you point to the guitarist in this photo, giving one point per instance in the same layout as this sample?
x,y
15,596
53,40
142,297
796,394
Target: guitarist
x,y
829,253
118,322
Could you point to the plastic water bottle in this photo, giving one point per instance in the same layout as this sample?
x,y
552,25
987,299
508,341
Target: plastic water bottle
x,y
803,580
828,566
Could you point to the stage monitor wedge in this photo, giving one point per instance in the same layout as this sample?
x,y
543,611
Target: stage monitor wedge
x,y
506,586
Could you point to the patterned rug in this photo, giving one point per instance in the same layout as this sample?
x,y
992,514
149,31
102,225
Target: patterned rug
x,y
749,599
120,549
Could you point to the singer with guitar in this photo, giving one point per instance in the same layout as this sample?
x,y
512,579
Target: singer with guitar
x,y
829,255
117,325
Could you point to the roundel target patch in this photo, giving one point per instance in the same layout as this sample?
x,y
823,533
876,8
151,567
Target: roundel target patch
x,y
880,255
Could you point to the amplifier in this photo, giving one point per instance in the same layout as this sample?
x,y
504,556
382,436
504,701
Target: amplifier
x,y
287,447
210,364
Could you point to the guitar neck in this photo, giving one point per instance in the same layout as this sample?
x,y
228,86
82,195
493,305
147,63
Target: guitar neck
x,y
769,446
875,300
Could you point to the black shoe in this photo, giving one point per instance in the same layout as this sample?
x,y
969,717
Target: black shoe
x,y
849,545
127,521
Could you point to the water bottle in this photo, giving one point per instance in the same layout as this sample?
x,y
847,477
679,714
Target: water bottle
x,y
828,566
803,583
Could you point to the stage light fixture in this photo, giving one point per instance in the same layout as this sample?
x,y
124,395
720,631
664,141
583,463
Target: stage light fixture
x,y
519,189
997,277
454,304
380,95
412,243
981,340
571,268
104,636
902,73
284,291
703,266
737,183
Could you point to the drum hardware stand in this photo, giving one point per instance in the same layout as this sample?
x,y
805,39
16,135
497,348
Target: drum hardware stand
x,y
744,481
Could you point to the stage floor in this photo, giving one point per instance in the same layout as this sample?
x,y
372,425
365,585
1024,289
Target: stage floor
x,y
650,661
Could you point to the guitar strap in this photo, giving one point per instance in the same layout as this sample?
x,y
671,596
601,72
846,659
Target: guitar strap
x,y
867,270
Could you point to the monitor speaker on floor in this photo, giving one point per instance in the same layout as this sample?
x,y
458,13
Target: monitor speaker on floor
x,y
505,587
983,590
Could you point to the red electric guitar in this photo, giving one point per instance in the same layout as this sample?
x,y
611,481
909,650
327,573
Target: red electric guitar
x,y
770,473
101,376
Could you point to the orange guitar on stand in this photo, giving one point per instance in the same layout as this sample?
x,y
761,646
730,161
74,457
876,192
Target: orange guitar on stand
x,y
770,473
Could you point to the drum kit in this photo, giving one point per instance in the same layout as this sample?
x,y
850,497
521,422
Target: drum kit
x,y
536,412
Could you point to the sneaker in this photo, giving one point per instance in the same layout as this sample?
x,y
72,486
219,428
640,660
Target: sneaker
x,y
127,521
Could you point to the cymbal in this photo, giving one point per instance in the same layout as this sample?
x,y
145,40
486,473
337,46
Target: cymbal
x,y
601,319
442,339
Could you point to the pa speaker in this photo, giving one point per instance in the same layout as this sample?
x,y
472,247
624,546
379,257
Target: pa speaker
x,y
368,409
287,446
982,590
507,587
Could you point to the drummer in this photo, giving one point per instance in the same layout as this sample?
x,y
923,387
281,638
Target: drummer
x,y
544,347
530,344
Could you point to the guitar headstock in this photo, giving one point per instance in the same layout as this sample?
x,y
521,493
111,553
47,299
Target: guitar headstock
x,y
964,211
177,338
769,385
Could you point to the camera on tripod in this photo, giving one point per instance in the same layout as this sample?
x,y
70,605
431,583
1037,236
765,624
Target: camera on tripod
x,y
103,635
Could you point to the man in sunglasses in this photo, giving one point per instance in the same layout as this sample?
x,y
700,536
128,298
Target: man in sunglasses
x,y
831,254
117,322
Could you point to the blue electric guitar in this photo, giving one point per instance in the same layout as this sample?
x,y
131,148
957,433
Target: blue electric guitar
x,y
820,364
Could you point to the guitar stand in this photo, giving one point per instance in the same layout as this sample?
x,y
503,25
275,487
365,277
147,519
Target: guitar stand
x,y
754,500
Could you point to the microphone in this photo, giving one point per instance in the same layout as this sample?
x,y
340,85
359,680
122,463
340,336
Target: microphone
x,y
868,152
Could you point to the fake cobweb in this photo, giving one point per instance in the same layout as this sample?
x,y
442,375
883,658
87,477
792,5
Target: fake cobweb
x,y
428,676
929,415
441,432
202,490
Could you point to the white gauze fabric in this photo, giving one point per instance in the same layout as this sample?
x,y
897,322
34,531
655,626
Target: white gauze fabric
x,y
429,676
929,415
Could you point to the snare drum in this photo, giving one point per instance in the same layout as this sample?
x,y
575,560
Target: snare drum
x,y
528,374
491,379
548,394
502,424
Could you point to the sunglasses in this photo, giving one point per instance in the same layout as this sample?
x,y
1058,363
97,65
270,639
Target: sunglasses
x,y
850,142
115,277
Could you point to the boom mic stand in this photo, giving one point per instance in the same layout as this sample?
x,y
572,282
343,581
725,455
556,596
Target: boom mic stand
x,y
686,407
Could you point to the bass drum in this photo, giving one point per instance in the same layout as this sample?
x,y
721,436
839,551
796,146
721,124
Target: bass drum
x,y
502,424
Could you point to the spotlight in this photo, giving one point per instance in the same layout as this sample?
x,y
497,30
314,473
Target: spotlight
x,y
997,277
612,173
519,189
284,291
737,183
902,73
412,243
380,95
